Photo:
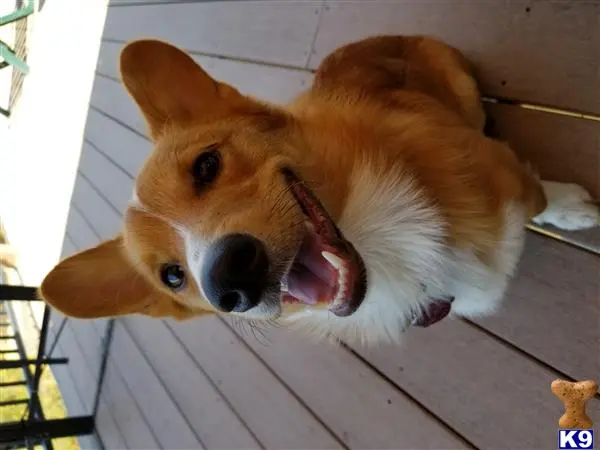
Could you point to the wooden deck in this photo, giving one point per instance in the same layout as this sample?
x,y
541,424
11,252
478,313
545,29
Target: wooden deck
x,y
460,384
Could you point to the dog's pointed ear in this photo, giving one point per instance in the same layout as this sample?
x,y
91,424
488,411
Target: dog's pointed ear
x,y
102,282
169,87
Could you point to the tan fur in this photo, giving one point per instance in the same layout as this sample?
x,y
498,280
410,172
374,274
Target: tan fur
x,y
399,104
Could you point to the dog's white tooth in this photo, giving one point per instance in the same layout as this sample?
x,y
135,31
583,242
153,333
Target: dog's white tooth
x,y
332,259
339,299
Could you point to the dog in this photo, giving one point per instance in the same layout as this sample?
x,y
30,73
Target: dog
x,y
372,203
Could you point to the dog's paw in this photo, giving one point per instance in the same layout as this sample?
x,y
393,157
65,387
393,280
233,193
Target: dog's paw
x,y
570,207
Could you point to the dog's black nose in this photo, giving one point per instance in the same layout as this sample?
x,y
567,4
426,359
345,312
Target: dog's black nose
x,y
235,273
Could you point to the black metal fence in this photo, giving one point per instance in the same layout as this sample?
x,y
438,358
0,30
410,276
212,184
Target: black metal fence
x,y
34,428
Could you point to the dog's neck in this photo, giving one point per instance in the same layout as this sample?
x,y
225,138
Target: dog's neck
x,y
400,236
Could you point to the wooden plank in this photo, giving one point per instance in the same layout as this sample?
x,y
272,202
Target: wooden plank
x,y
135,430
71,399
114,184
483,389
124,148
71,396
107,429
90,341
275,31
84,379
66,385
81,233
561,148
162,414
68,248
113,390
273,84
511,49
106,221
136,2
90,442
117,408
272,412
110,97
552,309
216,424
361,408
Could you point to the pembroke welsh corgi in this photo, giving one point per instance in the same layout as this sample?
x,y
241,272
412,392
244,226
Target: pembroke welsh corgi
x,y
372,203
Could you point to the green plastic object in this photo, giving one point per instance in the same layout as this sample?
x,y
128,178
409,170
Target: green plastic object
x,y
18,14
10,59
7,55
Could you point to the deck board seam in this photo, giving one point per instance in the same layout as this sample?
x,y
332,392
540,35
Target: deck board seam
x,y
164,2
76,389
300,400
582,246
98,191
135,402
93,377
89,371
485,98
161,382
508,344
109,158
119,121
255,62
86,220
411,398
213,384
111,361
59,347
311,49
108,335
69,238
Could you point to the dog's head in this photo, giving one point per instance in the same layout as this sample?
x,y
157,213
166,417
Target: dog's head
x,y
222,218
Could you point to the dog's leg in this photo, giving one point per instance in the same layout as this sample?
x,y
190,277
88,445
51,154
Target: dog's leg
x,y
570,207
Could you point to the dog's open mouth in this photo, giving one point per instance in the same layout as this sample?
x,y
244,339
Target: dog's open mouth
x,y
327,267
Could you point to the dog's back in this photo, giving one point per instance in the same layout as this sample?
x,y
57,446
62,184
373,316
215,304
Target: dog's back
x,y
415,99
402,71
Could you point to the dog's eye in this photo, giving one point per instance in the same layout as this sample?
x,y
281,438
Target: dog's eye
x,y
206,167
173,276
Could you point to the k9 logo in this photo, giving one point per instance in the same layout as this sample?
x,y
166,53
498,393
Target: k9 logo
x,y
575,439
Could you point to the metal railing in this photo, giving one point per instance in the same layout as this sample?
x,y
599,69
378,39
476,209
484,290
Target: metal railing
x,y
34,428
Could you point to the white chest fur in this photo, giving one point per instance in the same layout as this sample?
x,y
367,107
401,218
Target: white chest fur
x,y
400,236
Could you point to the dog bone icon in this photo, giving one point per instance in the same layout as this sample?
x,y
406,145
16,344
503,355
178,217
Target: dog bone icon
x,y
574,396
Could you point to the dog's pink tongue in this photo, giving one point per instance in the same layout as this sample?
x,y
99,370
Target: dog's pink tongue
x,y
314,279
307,287
310,257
